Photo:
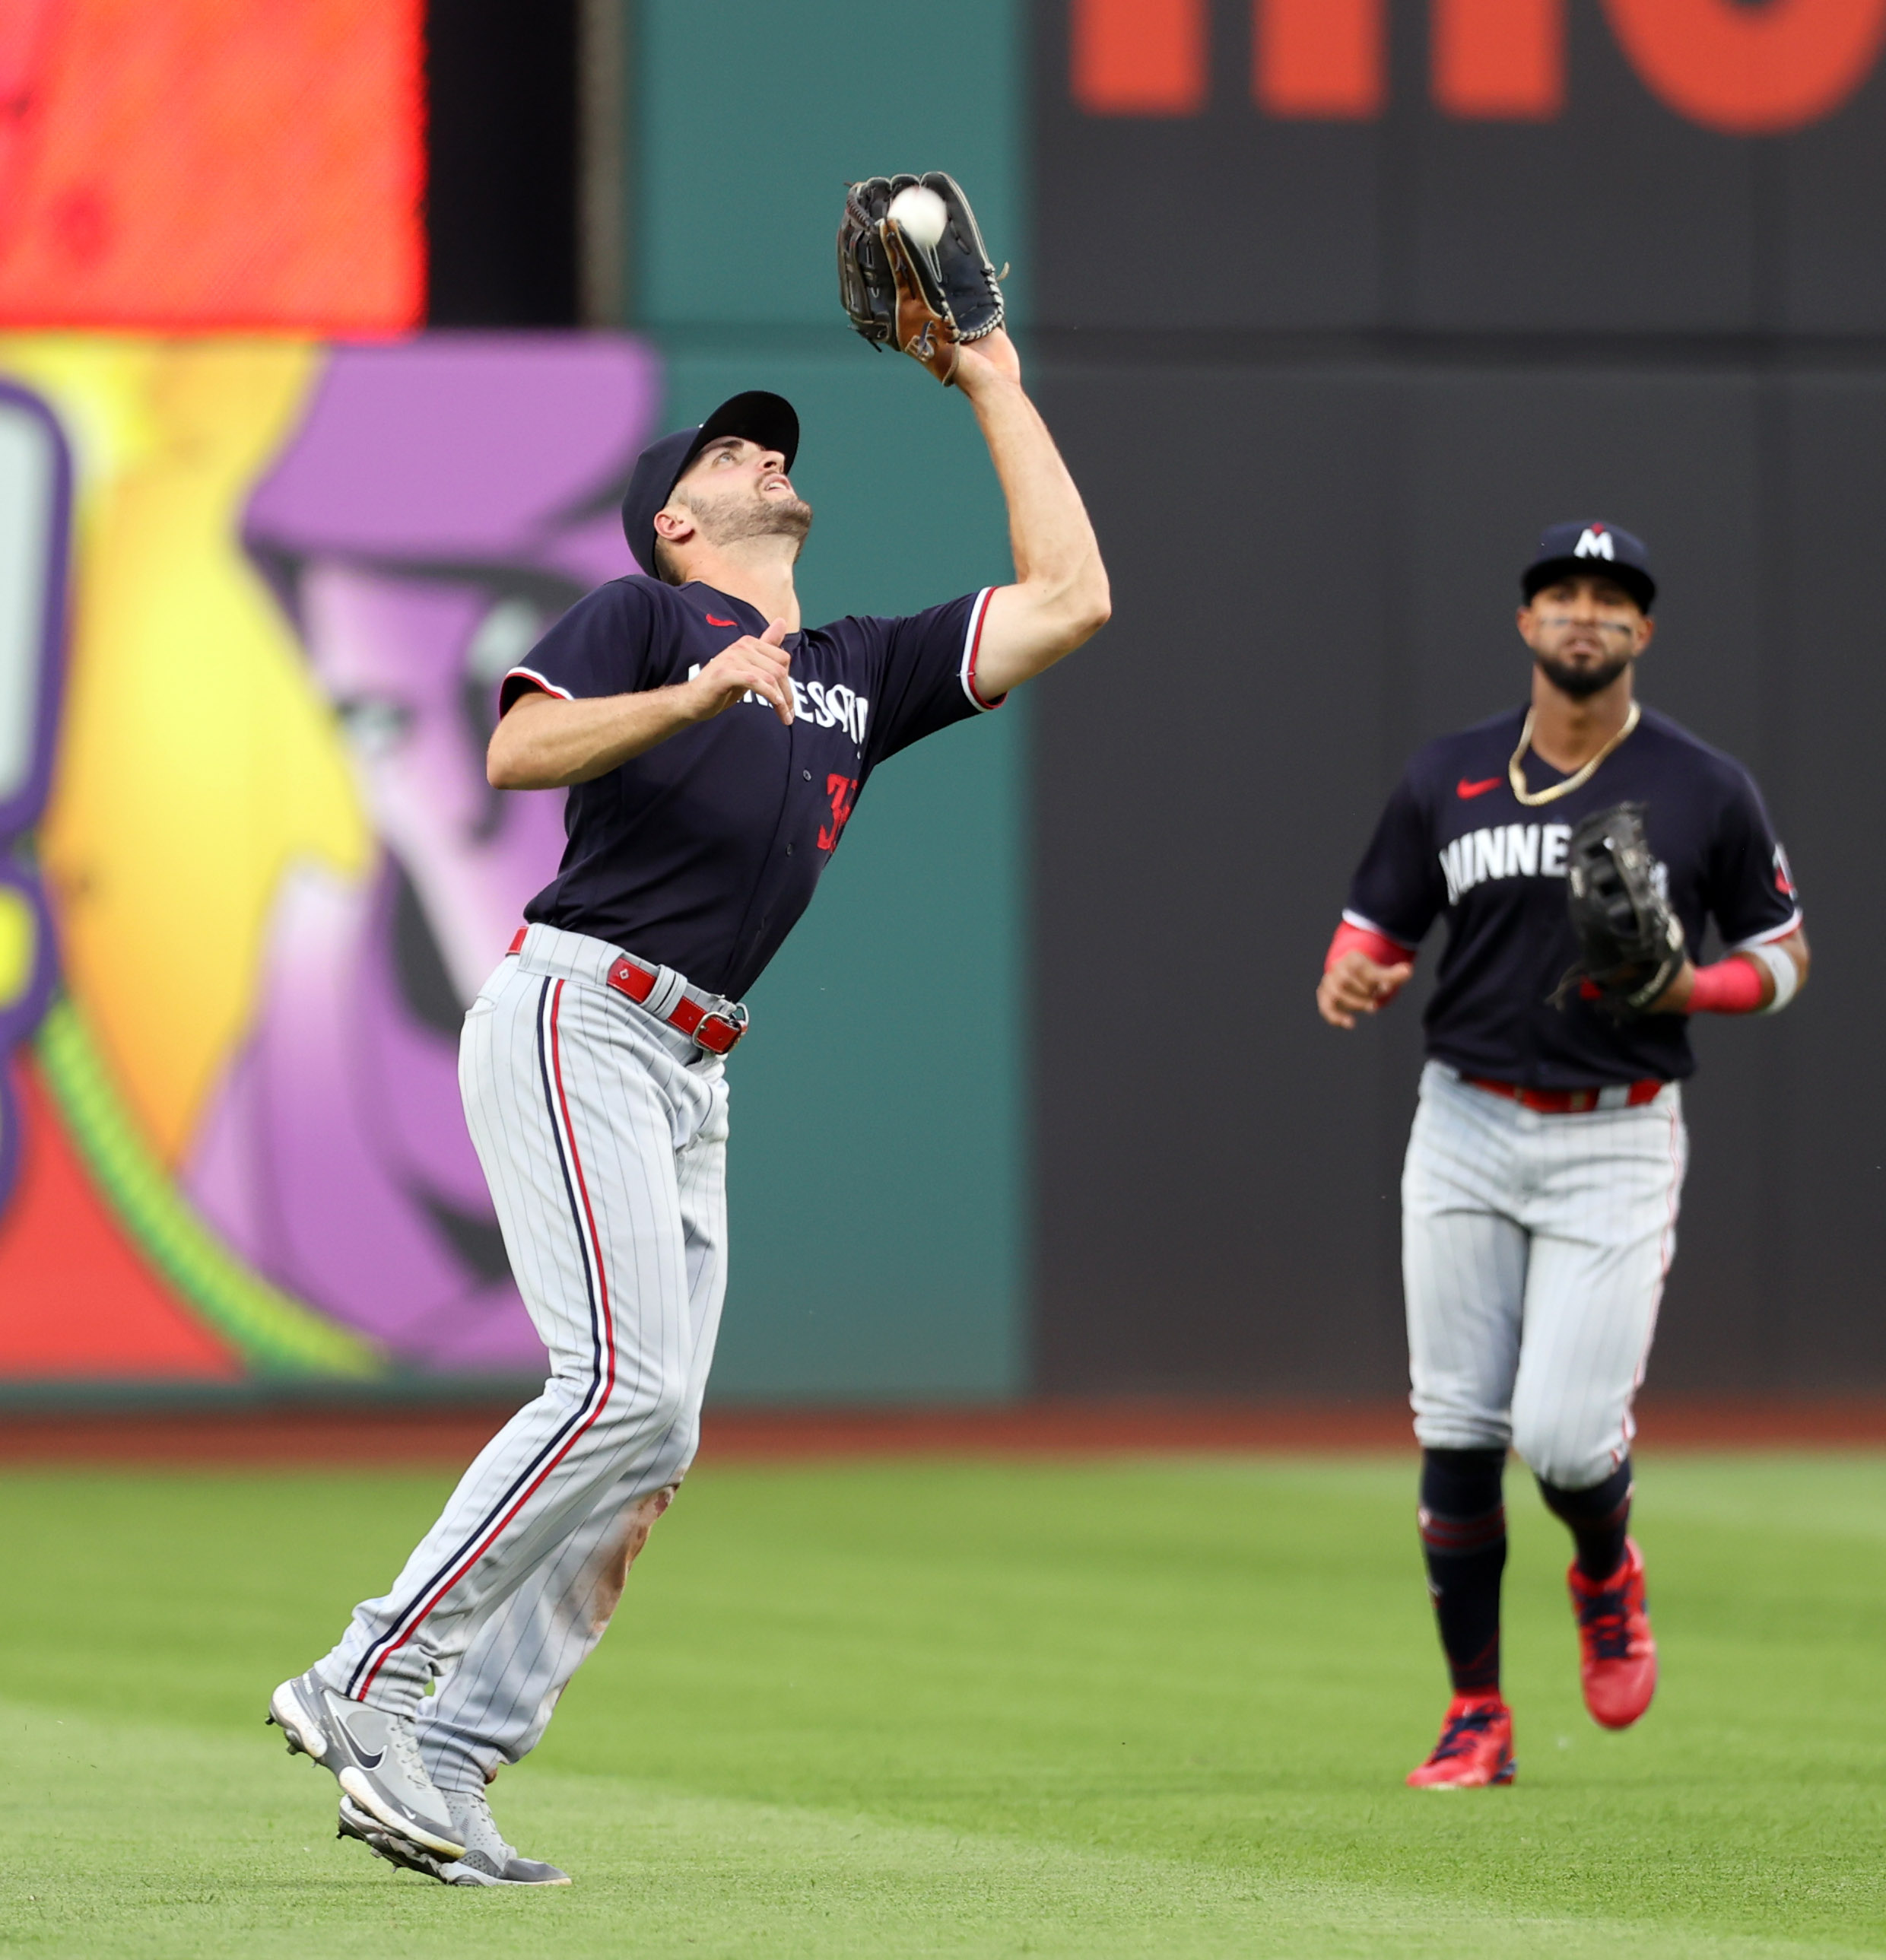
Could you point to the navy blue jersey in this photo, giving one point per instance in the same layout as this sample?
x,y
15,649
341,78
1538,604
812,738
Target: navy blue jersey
x,y
702,852
1455,840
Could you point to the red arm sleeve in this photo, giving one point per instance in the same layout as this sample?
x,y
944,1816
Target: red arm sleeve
x,y
1732,986
1371,945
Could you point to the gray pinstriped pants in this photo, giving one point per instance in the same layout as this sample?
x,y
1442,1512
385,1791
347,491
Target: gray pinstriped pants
x,y
1533,1251
602,1133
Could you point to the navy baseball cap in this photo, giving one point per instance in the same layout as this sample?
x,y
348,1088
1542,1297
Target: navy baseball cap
x,y
768,420
1595,549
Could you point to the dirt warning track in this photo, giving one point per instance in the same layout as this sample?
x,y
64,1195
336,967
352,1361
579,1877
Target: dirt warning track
x,y
301,1434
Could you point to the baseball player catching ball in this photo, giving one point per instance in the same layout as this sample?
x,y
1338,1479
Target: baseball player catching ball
x,y
714,751
1576,848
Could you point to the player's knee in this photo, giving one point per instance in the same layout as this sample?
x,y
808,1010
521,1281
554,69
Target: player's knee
x,y
657,1402
1570,1459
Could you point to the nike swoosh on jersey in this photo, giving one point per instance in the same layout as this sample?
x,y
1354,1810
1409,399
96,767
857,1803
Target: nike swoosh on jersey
x,y
712,622
1464,788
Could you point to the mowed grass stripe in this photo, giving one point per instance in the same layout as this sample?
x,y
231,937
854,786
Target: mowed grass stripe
x,y
1149,1707
140,1842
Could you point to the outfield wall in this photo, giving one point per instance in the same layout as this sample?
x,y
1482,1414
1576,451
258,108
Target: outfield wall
x,y
1332,303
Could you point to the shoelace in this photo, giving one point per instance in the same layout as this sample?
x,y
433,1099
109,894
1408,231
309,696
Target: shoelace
x,y
1458,1737
403,1743
484,1840
1606,1617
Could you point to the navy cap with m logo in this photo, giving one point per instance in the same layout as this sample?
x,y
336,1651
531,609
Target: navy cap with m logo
x,y
1592,546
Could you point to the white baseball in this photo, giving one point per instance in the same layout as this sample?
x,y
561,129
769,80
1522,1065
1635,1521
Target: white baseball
x,y
921,213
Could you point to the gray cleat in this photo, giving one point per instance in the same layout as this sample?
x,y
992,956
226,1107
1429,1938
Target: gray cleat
x,y
375,1759
488,1860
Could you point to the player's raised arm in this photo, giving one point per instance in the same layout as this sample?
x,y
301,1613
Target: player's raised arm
x,y
914,274
1059,597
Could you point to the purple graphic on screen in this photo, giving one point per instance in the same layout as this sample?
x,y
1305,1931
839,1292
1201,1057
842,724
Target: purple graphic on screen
x,y
441,503
36,497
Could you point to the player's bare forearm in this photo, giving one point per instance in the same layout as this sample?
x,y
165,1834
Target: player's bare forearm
x,y
1675,998
544,743
1059,597
1356,984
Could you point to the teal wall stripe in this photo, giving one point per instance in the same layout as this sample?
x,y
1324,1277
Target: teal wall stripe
x,y
879,1176
753,114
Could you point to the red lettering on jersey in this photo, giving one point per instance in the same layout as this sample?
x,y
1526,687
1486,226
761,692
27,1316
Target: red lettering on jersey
x,y
842,790
1464,788
712,622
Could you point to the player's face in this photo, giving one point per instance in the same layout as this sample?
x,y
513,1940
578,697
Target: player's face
x,y
1584,632
736,489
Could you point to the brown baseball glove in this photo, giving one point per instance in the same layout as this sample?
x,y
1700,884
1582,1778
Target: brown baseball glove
x,y
925,301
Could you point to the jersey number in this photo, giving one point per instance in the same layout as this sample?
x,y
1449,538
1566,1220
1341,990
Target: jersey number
x,y
842,790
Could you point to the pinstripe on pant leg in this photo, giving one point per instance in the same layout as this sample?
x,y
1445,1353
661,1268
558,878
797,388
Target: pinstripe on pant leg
x,y
1602,1211
578,1104
493,1707
1464,1264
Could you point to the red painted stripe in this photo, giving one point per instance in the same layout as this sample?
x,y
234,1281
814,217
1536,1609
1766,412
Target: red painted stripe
x,y
608,1336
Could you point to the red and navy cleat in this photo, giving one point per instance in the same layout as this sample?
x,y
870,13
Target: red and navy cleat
x,y
1617,1658
1475,1749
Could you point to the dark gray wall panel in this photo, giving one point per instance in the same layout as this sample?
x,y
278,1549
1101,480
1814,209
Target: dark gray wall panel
x,y
1188,1117
1825,1199
1617,216
1315,570
1824,193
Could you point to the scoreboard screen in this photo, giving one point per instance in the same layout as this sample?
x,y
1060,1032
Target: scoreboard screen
x,y
212,164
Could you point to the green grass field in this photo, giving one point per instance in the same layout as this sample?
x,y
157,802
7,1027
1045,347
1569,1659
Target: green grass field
x,y
897,1709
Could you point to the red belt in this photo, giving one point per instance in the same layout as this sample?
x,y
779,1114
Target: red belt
x,y
1568,1102
713,1024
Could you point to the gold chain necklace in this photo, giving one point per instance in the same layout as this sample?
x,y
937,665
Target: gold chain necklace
x,y
1533,798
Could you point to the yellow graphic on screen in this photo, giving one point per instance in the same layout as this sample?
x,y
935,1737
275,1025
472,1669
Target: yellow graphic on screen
x,y
196,759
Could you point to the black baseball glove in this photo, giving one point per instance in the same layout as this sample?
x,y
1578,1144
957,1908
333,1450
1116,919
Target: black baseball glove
x,y
1631,943
924,301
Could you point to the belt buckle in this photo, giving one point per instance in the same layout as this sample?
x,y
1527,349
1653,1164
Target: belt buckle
x,y
730,1014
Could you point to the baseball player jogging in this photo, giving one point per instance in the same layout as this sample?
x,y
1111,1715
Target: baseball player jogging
x,y
1577,849
715,750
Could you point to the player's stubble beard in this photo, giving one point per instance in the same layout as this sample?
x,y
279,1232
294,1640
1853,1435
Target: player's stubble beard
x,y
728,519
1582,682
